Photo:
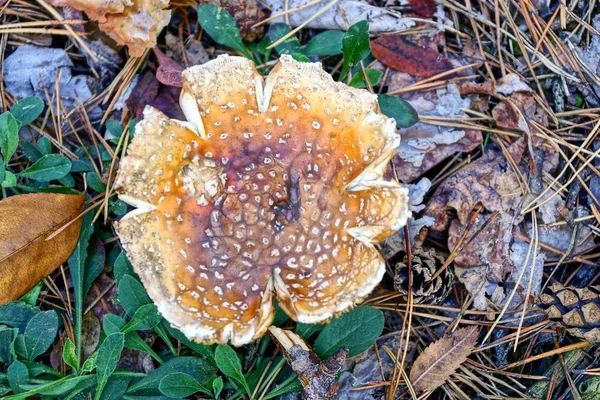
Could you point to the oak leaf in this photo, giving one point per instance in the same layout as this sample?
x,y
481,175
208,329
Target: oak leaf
x,y
442,358
26,256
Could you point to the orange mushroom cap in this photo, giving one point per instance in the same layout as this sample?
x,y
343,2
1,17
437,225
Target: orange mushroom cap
x,y
271,187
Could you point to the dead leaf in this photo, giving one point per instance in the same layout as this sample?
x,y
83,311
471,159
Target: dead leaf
x,y
144,92
168,72
506,114
364,376
402,55
134,23
246,14
188,52
423,8
344,14
442,358
489,181
423,145
25,255
319,378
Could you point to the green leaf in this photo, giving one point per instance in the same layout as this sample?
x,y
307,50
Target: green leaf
x,y
108,358
44,145
356,330
90,364
39,333
33,294
178,384
116,387
58,388
10,180
9,136
2,169
27,110
114,127
328,43
38,368
289,46
221,27
228,362
114,323
94,264
47,168
17,314
358,80
132,294
94,182
30,151
18,375
356,45
217,387
199,369
7,340
203,350
293,386
399,109
77,268
122,266
145,317
69,355
307,330
300,57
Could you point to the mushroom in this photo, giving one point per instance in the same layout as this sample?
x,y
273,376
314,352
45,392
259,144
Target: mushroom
x,y
272,187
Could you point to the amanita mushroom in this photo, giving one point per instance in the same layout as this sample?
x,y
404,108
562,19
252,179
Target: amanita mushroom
x,y
272,187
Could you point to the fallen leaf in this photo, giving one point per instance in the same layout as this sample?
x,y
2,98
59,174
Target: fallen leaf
x,y
442,358
402,55
423,8
168,72
144,92
506,116
134,23
188,52
397,243
25,255
423,146
319,378
360,377
33,71
168,102
344,14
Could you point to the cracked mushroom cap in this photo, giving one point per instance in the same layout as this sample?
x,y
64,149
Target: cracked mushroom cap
x,y
272,187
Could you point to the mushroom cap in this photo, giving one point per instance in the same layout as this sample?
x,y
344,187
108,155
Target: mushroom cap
x,y
271,187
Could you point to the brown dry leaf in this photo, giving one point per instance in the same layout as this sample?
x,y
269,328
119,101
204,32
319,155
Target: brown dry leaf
x,y
25,254
168,72
144,92
423,8
134,23
442,358
402,55
423,145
